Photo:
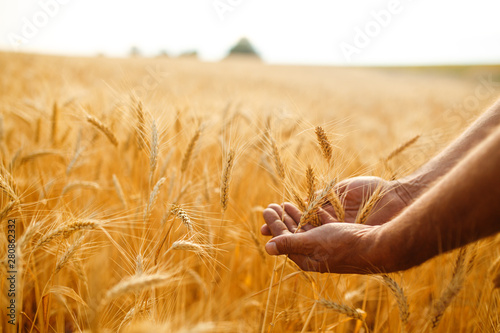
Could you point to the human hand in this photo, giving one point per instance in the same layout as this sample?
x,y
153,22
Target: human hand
x,y
353,192
331,247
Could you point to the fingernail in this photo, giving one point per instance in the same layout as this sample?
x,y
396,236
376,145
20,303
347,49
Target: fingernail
x,y
272,249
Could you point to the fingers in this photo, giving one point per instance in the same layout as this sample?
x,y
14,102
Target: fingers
x,y
288,244
274,223
289,221
264,230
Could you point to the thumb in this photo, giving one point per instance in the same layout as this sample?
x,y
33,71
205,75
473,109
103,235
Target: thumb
x,y
286,244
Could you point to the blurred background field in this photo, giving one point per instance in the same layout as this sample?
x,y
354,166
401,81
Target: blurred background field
x,y
96,228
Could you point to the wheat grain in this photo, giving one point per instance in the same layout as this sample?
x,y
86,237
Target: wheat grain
x,y
451,290
179,212
184,245
397,291
334,200
153,156
137,283
226,178
189,150
324,143
299,201
278,164
69,253
357,314
312,208
67,230
55,120
103,128
368,206
7,209
141,125
152,199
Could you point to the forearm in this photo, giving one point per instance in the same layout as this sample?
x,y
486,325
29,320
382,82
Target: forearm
x,y
460,208
418,182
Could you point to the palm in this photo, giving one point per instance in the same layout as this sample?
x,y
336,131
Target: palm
x,y
354,192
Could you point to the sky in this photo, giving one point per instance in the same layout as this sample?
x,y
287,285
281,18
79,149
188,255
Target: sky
x,y
313,32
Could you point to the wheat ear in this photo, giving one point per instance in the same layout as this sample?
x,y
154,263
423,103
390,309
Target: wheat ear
x,y
67,230
226,178
152,198
153,156
119,191
367,208
103,128
397,291
80,184
140,128
324,143
357,314
313,206
189,150
402,148
55,120
451,290
278,164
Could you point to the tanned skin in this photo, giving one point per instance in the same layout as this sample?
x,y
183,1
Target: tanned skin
x,y
449,202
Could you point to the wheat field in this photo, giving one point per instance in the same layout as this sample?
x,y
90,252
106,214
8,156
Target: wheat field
x,y
137,188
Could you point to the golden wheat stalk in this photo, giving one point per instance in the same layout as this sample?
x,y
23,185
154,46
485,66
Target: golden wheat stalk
x,y
139,265
69,253
55,120
278,164
40,153
67,230
368,206
7,209
357,314
119,191
103,128
226,178
7,186
153,156
184,245
301,204
324,143
310,183
180,213
189,150
80,184
451,290
76,156
141,125
397,291
334,200
152,198
137,283
38,129
312,208
402,148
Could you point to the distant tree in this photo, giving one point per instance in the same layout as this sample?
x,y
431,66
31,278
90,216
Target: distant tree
x,y
163,54
134,51
190,53
243,47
